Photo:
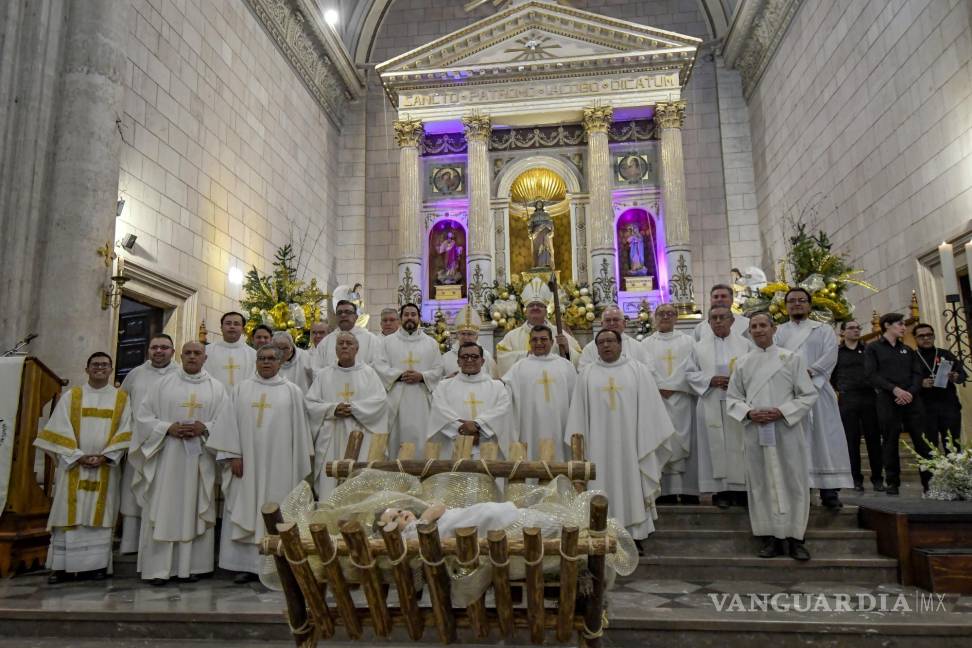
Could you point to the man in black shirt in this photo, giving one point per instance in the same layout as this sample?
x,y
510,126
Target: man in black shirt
x,y
857,406
943,411
894,370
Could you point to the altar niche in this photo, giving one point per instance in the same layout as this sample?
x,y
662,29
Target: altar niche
x,y
542,189
638,251
447,260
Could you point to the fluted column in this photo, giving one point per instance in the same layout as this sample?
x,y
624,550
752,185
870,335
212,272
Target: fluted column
x,y
480,259
600,214
678,250
408,132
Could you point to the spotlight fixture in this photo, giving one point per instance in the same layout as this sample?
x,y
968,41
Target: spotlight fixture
x,y
331,17
128,242
235,276
119,207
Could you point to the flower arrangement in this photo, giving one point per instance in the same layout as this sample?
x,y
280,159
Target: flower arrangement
x,y
281,300
825,275
951,471
577,306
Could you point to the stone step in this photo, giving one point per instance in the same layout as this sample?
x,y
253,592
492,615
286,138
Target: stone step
x,y
737,518
864,571
694,542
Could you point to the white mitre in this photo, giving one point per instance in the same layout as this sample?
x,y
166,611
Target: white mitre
x,y
536,290
467,319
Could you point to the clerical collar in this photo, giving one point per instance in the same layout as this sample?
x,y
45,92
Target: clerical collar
x,y
666,334
232,345
620,361
276,380
402,333
479,377
351,368
98,390
162,370
194,378
759,348
550,356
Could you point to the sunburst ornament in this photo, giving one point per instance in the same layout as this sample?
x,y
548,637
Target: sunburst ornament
x,y
533,47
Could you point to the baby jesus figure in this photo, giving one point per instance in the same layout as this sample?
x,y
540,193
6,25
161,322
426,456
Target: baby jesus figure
x,y
486,516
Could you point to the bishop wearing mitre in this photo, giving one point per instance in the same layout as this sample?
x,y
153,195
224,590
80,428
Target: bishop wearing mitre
x,y
345,396
719,437
516,344
466,325
264,443
772,394
616,406
175,485
668,353
540,387
471,404
325,354
230,360
87,435
409,364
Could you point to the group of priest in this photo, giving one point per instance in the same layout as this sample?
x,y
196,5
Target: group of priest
x,y
741,409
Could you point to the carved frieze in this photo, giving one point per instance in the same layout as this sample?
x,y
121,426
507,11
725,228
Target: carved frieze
x,y
755,34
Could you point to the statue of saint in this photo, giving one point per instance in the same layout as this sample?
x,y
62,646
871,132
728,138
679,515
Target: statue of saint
x,y
636,251
451,253
541,230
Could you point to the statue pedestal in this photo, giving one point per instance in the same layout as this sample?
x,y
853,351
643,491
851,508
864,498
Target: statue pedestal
x,y
448,292
544,274
639,284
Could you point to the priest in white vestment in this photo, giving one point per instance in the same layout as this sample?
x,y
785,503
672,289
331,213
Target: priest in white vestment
x,y
175,485
297,365
139,382
264,443
612,319
721,295
466,325
718,437
318,331
669,353
830,468
230,360
409,364
515,345
540,387
772,394
617,407
388,318
325,355
87,435
345,396
471,404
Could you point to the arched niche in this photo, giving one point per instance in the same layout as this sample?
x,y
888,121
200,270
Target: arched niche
x,y
447,252
639,248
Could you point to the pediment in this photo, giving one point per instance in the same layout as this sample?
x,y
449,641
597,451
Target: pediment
x,y
540,37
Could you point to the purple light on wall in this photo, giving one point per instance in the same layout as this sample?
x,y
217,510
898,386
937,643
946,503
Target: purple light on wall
x,y
640,216
437,128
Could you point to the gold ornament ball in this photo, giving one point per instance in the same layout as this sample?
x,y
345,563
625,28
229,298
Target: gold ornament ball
x,y
575,294
643,316
589,317
255,310
504,295
831,287
774,309
443,347
583,291
502,321
496,316
291,324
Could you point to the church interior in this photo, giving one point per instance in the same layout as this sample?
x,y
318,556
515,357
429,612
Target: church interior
x,y
158,155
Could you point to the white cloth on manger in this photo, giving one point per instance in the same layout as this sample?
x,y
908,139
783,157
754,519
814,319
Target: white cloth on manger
x,y
630,348
139,382
668,356
515,346
362,388
540,389
299,369
266,425
230,362
408,405
175,485
450,364
776,472
485,516
618,409
86,421
829,458
326,356
719,437
476,398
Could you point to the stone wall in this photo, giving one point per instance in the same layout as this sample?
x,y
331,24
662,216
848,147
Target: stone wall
x,y
225,151
863,121
409,23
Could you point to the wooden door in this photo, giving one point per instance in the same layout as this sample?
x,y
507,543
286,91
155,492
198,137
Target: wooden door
x,y
137,323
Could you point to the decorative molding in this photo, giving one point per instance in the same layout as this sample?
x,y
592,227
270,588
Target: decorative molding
x,y
443,144
408,290
477,127
315,53
540,137
408,132
670,115
755,35
680,285
597,119
605,286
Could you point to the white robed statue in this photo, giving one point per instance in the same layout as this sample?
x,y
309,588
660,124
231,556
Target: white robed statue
x,y
817,344
472,404
346,396
540,387
616,406
409,364
175,484
515,345
771,393
719,437
230,360
264,442
87,435
669,355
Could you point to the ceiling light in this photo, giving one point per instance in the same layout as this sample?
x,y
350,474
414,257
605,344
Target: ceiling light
x,y
331,17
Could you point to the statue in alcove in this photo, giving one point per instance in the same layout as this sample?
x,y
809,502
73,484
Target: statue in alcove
x,y
450,251
541,230
634,241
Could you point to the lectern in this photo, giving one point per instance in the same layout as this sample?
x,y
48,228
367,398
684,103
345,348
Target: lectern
x,y
23,522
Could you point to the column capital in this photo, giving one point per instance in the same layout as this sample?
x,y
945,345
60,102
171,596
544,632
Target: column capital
x,y
477,127
670,114
408,132
597,119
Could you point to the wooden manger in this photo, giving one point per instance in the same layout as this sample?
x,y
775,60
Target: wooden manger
x,y
311,618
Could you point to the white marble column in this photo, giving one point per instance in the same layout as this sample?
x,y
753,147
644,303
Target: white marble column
x,y
408,132
480,271
600,214
669,118
84,187
579,204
